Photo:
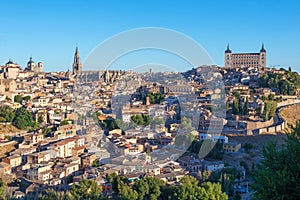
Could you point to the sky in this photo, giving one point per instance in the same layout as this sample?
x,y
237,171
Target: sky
x,y
49,30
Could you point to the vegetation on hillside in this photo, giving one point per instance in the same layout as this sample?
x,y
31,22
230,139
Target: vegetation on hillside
x,y
154,188
141,120
278,174
21,118
286,83
291,114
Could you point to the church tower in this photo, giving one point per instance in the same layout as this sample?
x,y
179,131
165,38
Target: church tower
x,y
77,66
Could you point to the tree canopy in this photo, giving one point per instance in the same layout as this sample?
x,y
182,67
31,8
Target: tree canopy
x,y
141,120
269,110
7,114
86,189
286,83
278,174
152,188
192,190
23,119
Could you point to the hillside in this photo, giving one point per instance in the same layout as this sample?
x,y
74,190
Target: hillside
x,y
8,130
291,114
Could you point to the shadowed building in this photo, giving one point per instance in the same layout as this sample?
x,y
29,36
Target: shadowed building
x,y
236,60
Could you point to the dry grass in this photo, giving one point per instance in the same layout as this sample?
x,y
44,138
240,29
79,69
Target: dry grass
x,y
255,154
291,114
8,130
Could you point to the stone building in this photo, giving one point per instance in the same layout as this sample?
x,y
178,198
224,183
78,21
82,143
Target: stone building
x,y
237,60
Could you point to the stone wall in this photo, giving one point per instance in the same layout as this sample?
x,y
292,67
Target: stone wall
x,y
257,125
271,129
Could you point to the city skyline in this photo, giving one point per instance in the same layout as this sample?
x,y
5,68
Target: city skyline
x,y
49,31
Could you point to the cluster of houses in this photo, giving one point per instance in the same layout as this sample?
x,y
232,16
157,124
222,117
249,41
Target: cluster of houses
x,y
80,149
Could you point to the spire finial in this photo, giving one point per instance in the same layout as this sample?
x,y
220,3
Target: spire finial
x,y
76,51
263,47
228,49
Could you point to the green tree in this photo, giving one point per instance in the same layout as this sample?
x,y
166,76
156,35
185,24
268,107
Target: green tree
x,y
212,191
141,119
64,122
95,163
277,175
122,125
114,179
27,98
190,189
286,83
23,119
186,123
271,97
52,195
247,146
246,107
86,189
46,131
40,119
149,188
227,106
235,107
7,114
126,192
187,140
155,98
18,99
8,137
245,165
241,107
269,110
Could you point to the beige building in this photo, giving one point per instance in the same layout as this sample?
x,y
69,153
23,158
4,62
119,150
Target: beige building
x,y
231,147
8,85
13,161
236,60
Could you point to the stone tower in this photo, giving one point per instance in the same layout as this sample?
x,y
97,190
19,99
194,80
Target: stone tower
x,y
77,66
262,55
228,57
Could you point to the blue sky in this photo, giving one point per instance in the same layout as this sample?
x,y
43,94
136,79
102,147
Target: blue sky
x,y
49,30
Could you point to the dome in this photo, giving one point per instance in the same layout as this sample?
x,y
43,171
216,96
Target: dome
x,y
10,62
30,62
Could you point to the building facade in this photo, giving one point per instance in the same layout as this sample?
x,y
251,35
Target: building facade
x,y
236,60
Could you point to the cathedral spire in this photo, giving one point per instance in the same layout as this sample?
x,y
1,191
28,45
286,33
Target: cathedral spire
x,y
77,66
